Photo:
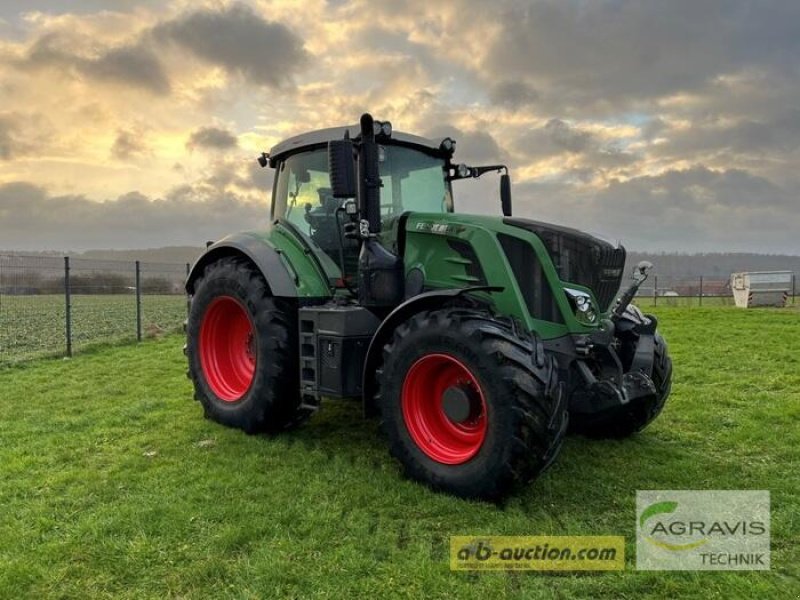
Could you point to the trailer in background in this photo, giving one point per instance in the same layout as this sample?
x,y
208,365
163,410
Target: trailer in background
x,y
762,288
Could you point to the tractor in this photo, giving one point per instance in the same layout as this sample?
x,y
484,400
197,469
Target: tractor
x,y
477,341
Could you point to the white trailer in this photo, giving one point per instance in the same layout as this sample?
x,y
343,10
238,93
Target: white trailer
x,y
762,288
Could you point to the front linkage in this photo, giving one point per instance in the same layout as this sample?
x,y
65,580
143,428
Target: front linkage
x,y
625,372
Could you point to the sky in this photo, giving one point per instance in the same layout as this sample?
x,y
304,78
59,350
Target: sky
x,y
671,126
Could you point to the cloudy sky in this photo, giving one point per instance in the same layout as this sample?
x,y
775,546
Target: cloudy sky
x,y
671,125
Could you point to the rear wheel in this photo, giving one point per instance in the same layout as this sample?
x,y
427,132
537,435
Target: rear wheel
x,y
241,346
469,407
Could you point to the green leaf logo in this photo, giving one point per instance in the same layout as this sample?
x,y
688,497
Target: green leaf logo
x,y
661,508
658,508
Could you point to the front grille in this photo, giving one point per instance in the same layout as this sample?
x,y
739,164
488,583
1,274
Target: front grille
x,y
581,258
608,275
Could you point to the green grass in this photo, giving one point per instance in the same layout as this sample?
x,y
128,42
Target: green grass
x,y
35,325
114,485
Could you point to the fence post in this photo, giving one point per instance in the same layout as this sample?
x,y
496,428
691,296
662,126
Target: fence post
x,y
68,306
655,290
794,278
138,301
188,300
701,290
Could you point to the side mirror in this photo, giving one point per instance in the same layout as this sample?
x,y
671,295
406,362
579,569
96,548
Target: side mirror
x,y
341,168
505,194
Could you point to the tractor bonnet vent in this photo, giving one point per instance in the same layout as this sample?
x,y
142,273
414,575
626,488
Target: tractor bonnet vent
x,y
530,278
581,258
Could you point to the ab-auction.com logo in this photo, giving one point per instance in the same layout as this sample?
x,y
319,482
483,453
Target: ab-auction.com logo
x,y
703,530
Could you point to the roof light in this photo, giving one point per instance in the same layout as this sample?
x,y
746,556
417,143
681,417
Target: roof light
x,y
448,145
383,128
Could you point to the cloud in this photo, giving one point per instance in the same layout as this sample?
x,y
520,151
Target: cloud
x,y
779,134
235,38
128,144
695,210
133,65
621,51
563,135
8,142
213,138
35,220
239,40
602,109
513,94
21,133
580,150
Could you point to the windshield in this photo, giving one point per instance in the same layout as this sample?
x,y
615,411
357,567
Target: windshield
x,y
412,181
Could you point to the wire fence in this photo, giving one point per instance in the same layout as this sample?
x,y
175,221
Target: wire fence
x,y
700,290
57,305
53,305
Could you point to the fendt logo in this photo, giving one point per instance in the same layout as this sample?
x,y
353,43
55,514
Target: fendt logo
x,y
703,530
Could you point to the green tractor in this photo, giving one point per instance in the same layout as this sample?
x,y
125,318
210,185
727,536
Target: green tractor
x,y
474,339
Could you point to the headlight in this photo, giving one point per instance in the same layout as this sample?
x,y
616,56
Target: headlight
x,y
582,305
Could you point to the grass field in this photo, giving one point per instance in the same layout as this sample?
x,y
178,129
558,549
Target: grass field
x,y
115,486
35,325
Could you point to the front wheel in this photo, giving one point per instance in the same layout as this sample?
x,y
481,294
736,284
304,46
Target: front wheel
x,y
242,348
468,406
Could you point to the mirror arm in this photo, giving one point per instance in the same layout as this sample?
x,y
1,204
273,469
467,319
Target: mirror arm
x,y
640,274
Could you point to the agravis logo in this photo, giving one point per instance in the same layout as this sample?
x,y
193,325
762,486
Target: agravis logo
x,y
703,529
659,528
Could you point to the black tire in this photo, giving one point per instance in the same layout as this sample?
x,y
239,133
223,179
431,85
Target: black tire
x,y
271,400
526,409
627,420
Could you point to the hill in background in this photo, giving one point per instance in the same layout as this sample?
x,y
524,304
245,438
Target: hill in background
x,y
714,265
717,265
168,254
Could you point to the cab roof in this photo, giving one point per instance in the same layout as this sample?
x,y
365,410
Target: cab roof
x,y
321,137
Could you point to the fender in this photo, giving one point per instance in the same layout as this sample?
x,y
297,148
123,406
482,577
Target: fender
x,y
262,254
425,301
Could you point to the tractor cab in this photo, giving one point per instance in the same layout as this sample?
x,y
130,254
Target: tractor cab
x,y
414,176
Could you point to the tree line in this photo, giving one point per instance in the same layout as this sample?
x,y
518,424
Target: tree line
x,y
35,283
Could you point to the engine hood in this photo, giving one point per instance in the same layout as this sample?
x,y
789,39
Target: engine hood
x,y
580,258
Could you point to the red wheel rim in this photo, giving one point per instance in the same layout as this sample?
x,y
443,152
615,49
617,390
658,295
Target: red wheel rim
x,y
437,434
227,348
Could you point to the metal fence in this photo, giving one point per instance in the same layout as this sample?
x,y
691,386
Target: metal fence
x,y
52,305
700,290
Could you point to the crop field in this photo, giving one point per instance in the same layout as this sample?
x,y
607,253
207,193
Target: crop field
x,y
115,486
35,325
